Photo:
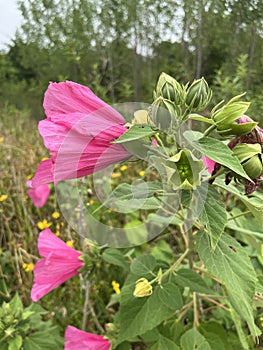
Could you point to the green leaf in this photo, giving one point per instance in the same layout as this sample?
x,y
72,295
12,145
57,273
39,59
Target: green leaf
x,y
15,343
170,295
254,204
143,265
240,330
43,340
213,216
189,278
201,118
164,343
114,257
139,315
136,132
220,153
193,340
215,328
230,263
16,303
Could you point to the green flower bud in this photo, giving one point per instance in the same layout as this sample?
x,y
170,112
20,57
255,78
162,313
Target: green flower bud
x,y
169,88
253,167
249,156
198,95
163,113
186,175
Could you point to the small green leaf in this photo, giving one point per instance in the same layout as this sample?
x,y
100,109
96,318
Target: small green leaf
x,y
200,118
136,132
189,278
114,257
15,343
254,204
193,340
170,295
143,265
164,343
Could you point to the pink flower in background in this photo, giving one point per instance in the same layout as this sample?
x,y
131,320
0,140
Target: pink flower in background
x,y
209,163
78,132
80,340
39,194
59,264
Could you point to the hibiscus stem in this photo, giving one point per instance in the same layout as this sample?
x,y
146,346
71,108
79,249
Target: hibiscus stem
x,y
85,307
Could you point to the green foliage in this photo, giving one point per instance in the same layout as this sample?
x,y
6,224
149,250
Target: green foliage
x,y
24,328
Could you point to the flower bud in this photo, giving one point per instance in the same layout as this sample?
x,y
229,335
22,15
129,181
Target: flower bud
x,y
169,88
143,288
198,95
249,156
163,113
253,167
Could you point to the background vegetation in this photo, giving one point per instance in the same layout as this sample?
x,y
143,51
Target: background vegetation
x,y
118,48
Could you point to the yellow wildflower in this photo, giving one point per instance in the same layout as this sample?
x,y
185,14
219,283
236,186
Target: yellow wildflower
x,y
1,139
43,224
91,201
115,175
29,177
55,215
28,267
143,288
3,197
44,158
70,243
142,173
123,168
57,233
116,287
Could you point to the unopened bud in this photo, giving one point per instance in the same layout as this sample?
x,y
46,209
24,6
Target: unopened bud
x,y
198,95
249,156
163,113
169,88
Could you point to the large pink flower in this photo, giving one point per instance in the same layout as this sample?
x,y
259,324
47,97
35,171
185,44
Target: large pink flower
x,y
78,132
80,340
39,194
59,264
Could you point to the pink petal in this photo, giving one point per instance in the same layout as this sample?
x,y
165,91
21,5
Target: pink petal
x,y
39,195
209,163
48,242
44,173
80,340
69,97
60,264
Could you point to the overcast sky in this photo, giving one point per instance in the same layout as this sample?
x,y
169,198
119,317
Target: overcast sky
x,y
10,20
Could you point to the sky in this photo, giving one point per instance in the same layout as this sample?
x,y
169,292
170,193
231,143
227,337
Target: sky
x,y
10,20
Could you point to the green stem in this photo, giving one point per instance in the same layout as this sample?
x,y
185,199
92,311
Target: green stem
x,y
210,129
177,263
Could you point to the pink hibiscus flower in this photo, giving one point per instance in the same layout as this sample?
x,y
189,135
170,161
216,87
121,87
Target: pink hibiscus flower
x,y
78,132
39,194
209,164
59,264
80,340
